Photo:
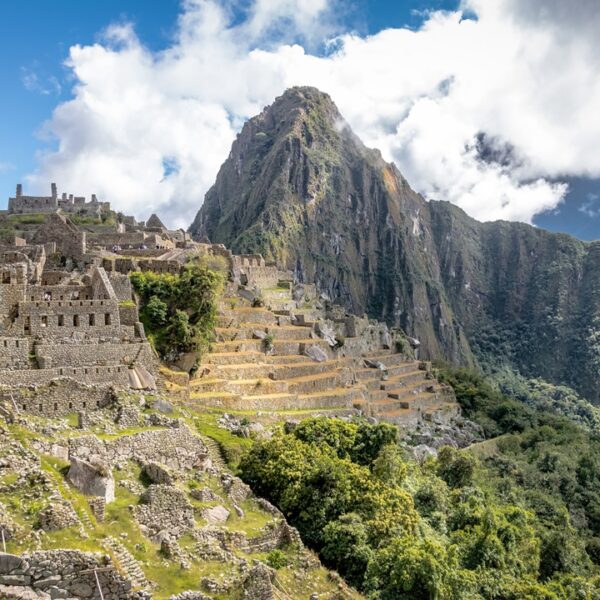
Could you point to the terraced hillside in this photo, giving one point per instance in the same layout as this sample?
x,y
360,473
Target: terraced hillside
x,y
289,354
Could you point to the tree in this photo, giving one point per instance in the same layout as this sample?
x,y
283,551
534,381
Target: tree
x,y
389,466
455,467
346,547
408,569
157,310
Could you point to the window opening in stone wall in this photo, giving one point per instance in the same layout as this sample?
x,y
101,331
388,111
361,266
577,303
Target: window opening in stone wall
x,y
61,320
107,319
44,321
75,320
92,320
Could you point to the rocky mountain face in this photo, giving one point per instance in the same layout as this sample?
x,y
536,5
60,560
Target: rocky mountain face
x,y
301,188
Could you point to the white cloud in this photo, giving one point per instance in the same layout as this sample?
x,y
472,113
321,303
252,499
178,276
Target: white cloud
x,y
483,112
6,166
591,207
42,85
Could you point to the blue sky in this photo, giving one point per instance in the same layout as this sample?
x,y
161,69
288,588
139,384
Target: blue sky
x,y
36,35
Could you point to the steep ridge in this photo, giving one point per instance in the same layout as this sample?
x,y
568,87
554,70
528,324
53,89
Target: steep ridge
x,y
300,188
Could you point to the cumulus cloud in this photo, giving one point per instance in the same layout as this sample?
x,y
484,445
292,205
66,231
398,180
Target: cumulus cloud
x,y
487,112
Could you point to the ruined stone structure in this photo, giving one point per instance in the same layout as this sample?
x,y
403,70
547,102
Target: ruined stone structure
x,y
21,204
74,328
70,333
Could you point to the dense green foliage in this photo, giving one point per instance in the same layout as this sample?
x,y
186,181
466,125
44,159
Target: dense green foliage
x,y
179,311
514,517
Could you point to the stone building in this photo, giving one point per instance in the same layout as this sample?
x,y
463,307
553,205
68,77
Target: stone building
x,y
21,204
74,328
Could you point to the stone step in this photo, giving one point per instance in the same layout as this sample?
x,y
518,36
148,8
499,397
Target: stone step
x,y
233,357
446,410
421,401
215,452
405,380
414,387
239,386
405,367
283,332
280,304
277,294
224,400
128,564
243,315
289,359
303,368
316,382
339,397
403,417
389,358
257,370
284,347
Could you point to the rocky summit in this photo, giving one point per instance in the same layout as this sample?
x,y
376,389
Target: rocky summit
x,y
301,188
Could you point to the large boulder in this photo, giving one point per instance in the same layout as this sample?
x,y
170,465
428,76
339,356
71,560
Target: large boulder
x,y
316,353
216,514
92,478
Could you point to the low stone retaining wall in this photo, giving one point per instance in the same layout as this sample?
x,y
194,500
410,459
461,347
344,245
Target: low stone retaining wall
x,y
62,574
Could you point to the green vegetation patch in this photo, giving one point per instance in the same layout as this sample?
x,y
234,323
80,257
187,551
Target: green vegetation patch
x,y
179,311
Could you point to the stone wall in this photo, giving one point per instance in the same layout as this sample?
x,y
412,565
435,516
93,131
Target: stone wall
x,y
90,354
176,448
56,399
14,353
63,574
121,285
96,318
115,375
69,240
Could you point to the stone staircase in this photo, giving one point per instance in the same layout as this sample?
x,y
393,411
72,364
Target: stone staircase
x,y
260,362
127,563
215,453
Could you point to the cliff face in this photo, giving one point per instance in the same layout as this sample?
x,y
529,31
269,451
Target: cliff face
x,y
301,188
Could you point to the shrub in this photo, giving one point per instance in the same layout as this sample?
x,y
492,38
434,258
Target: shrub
x,y
277,559
267,342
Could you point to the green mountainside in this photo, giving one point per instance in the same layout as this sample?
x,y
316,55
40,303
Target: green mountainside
x,y
301,188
